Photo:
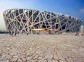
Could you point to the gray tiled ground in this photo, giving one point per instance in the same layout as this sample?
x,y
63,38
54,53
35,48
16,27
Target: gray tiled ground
x,y
42,48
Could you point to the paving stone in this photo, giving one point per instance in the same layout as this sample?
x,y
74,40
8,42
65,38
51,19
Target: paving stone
x,y
41,58
5,61
8,57
82,59
62,61
70,59
3,57
13,53
19,60
28,58
81,49
42,61
0,55
14,58
70,54
22,56
32,61
50,60
77,60
60,57
0,51
49,56
55,56
24,59
36,57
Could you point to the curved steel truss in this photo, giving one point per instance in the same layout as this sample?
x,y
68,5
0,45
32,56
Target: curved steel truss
x,y
28,21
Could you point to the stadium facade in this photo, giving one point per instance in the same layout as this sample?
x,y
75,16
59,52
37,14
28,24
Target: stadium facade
x,y
34,21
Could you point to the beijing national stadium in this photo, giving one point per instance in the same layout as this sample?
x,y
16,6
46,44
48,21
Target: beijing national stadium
x,y
34,21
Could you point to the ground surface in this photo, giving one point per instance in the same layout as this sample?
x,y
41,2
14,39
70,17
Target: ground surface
x,y
42,48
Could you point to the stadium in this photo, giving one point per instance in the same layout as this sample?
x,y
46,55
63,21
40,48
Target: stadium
x,y
19,21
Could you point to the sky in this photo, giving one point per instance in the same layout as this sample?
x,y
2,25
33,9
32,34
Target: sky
x,y
70,7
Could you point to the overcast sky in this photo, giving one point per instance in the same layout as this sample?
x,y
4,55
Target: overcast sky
x,y
69,7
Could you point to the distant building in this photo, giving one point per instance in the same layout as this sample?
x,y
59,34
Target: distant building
x,y
81,28
30,21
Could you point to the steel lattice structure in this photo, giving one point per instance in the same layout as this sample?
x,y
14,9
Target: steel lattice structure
x,y
26,20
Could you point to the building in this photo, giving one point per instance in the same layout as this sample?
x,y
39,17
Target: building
x,y
81,28
34,21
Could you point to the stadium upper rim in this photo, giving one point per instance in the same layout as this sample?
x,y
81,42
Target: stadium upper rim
x,y
66,15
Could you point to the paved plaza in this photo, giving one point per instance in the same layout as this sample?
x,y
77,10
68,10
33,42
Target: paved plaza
x,y
41,48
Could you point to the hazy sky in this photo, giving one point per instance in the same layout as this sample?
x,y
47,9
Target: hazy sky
x,y
70,7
